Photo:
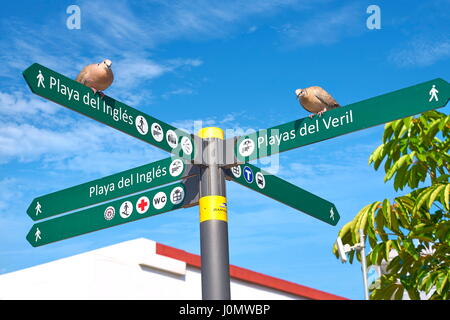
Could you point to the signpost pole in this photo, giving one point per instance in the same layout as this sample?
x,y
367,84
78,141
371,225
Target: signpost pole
x,y
215,266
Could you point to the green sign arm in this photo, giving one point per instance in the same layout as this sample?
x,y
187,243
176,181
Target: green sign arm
x,y
147,204
76,96
353,117
280,190
113,186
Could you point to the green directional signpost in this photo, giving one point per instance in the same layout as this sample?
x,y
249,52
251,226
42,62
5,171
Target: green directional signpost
x,y
73,95
353,117
202,162
117,185
118,212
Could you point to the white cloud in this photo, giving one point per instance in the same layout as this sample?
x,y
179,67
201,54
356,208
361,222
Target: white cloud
x,y
325,28
28,143
132,74
420,52
134,70
19,105
77,146
126,41
208,19
177,92
252,29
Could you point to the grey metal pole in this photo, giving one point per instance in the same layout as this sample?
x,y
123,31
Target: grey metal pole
x,y
363,263
215,266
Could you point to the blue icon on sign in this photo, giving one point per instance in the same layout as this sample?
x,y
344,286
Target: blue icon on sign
x,y
248,174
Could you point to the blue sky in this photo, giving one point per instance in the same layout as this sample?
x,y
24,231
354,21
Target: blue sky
x,y
232,64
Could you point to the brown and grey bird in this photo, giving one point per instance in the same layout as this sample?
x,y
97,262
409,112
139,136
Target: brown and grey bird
x,y
316,100
97,76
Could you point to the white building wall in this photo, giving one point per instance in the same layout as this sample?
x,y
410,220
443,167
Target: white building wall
x,y
129,270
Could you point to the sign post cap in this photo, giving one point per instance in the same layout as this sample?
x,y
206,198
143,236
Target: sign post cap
x,y
211,132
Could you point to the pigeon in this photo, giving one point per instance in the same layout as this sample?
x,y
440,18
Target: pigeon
x,y
97,76
316,100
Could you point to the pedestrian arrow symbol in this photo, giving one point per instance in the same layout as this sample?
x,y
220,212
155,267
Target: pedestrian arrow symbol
x,y
40,78
37,234
38,208
433,93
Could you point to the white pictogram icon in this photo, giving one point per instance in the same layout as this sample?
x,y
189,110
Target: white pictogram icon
x,y
236,171
246,147
177,195
142,205
38,208
186,145
157,132
260,180
176,167
126,209
433,93
109,213
159,200
40,78
171,138
141,125
37,234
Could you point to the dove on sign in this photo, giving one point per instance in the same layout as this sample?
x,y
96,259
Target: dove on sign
x,y
97,76
316,100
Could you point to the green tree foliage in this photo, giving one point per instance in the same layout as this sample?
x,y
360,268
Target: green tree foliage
x,y
415,153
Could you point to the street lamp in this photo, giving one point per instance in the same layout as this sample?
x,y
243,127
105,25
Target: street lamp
x,y
343,249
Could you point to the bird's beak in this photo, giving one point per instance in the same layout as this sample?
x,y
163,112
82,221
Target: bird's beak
x,y
108,63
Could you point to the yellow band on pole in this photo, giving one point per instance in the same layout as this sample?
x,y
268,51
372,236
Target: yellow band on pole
x,y
211,132
213,208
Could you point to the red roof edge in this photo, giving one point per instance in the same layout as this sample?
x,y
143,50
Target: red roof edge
x,y
250,276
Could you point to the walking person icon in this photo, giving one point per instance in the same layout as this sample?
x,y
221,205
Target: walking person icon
x,y
38,208
433,93
40,78
141,125
37,234
125,209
